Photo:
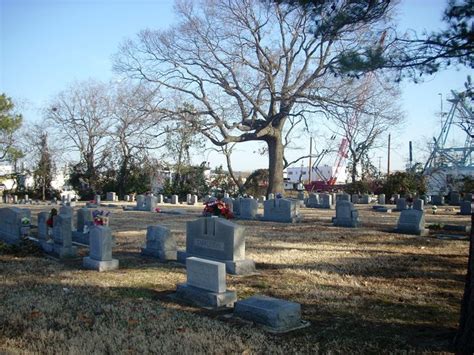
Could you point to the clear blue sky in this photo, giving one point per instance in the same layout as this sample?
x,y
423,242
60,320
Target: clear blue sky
x,y
47,44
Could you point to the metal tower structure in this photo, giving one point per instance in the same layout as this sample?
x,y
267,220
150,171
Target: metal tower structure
x,y
447,162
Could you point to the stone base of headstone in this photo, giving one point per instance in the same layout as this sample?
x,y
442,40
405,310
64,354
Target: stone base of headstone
x,y
163,255
239,267
274,314
64,252
204,298
47,246
423,232
379,208
79,237
345,222
100,266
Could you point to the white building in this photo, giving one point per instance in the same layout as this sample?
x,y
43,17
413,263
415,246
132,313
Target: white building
x,y
324,172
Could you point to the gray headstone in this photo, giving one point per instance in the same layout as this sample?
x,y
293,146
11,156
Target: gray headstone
x,y
355,198
150,203
174,200
160,243
218,239
84,218
271,196
100,257
381,199
313,201
226,195
454,198
42,226
188,199
326,201
418,204
206,274
140,203
206,284
437,200
280,210
248,208
97,200
262,199
236,206
346,214
401,204
276,314
301,195
62,236
343,197
159,199
465,207
412,222
11,225
66,210
110,196
365,199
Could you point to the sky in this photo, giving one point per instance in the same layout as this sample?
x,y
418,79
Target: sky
x,y
45,45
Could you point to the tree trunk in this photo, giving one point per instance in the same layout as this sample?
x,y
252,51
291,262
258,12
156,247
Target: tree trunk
x,y
464,342
275,164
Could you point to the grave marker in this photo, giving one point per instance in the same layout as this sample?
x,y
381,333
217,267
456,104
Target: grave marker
x,y
100,256
160,243
280,210
346,215
412,222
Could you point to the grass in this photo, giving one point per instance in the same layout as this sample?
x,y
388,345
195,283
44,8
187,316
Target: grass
x,y
364,290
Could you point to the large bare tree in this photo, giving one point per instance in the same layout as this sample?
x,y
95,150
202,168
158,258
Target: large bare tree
x,y
81,120
247,66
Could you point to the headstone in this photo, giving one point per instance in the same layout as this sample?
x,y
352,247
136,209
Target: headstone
x,y
66,210
437,200
301,196
206,284
326,201
150,203
313,201
84,222
395,198
188,199
401,204
365,199
271,196
140,206
355,198
468,197
465,207
273,313
27,198
11,224
343,197
346,215
248,208
126,198
15,199
194,200
229,203
262,199
381,199
111,196
160,243
280,210
226,195
159,198
174,199
412,222
218,239
419,204
236,206
42,226
97,200
100,257
454,198
62,236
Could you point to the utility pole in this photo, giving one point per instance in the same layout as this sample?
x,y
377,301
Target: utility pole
x,y
388,156
310,156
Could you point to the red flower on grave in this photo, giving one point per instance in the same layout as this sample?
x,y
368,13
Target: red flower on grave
x,y
217,208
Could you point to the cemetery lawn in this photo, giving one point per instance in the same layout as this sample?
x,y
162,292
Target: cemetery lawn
x,y
363,290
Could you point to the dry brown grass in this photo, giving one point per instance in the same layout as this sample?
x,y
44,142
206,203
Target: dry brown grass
x,y
364,290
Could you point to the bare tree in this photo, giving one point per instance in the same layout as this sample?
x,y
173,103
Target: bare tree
x,y
137,127
81,119
247,66
362,126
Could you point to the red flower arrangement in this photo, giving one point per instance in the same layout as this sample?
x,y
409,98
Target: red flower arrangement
x,y
217,208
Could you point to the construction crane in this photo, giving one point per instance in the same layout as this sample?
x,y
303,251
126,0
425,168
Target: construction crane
x,y
446,163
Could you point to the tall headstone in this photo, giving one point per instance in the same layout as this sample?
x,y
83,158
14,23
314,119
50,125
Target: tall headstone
x,y
97,200
160,243
42,226
346,215
188,199
248,208
280,210
140,206
381,199
100,256
412,222
218,239
62,236
174,199
111,196
206,284
11,224
326,201
159,198
84,222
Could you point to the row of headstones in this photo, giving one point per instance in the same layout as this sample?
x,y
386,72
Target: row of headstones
x,y
275,210
411,220
13,199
